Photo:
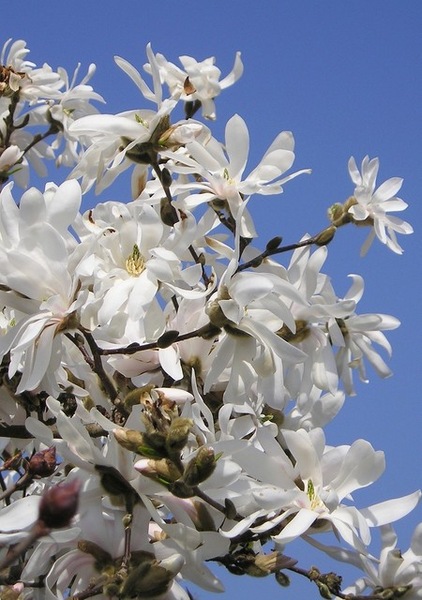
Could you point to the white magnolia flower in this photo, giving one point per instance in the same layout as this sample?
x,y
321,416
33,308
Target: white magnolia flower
x,y
327,478
37,283
374,204
221,169
397,572
23,76
198,81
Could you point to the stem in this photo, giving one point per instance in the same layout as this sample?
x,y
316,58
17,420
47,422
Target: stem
x,y
97,366
134,348
20,483
258,259
39,137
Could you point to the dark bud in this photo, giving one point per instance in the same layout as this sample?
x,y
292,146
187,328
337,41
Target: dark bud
x,y
230,511
43,463
166,178
59,504
274,243
167,339
282,579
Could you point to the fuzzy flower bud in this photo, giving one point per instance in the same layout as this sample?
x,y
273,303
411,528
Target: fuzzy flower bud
x,y
151,578
59,504
200,467
43,463
178,434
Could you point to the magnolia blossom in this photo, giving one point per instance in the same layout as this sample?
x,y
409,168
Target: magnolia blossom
x,y
221,168
373,204
198,81
37,283
396,571
24,77
155,360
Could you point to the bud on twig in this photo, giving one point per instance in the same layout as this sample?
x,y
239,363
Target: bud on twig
x,y
59,504
200,467
43,463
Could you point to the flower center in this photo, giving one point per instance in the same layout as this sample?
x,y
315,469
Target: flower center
x,y
314,499
135,262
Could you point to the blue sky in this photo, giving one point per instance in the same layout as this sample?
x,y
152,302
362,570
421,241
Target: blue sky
x,y
346,78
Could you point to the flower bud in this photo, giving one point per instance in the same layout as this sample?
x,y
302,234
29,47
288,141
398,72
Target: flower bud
x,y
43,463
12,592
274,243
325,237
177,435
164,471
150,578
200,467
167,339
282,579
59,504
181,490
149,445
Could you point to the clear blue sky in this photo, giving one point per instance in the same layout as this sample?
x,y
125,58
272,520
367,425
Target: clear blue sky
x,y
346,78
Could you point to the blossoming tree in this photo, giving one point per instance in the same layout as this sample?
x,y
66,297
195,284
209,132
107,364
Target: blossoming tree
x,y
165,382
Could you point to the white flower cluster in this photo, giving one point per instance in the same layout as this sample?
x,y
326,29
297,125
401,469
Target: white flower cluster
x,y
162,370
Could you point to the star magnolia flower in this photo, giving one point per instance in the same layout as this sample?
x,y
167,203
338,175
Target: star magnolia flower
x,y
327,477
221,168
395,571
198,81
373,205
21,75
39,285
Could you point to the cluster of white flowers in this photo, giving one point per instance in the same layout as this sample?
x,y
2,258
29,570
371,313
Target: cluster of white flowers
x,y
164,387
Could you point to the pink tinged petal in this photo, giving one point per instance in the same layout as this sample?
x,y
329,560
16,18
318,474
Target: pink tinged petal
x,y
390,510
237,146
361,466
300,524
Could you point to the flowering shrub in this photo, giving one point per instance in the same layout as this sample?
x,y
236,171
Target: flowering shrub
x,y
164,382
